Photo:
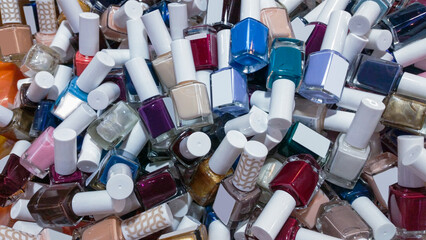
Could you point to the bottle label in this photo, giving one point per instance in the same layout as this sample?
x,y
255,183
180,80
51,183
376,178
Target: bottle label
x,y
312,140
223,205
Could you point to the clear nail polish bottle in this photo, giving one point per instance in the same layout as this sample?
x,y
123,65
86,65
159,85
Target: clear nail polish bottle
x,y
39,58
15,124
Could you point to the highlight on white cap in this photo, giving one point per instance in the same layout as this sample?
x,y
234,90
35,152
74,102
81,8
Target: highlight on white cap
x,y
65,144
19,211
28,227
364,18
180,206
141,78
306,234
90,155
261,99
354,45
290,5
130,10
72,10
89,34
335,35
250,9
120,56
120,182
412,85
157,32
40,86
136,140
379,39
406,177
416,161
95,203
137,38
95,72
338,121
412,53
183,60
101,97
196,145
223,46
188,222
79,119
240,233
20,147
61,43
62,78
178,18
329,7
6,116
282,104
218,231
253,123
351,98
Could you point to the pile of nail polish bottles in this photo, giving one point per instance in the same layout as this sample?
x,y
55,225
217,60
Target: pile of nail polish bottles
x,y
212,119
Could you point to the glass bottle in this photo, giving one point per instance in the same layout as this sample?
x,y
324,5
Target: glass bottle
x,y
15,38
190,98
30,94
46,11
101,6
326,69
384,5
204,46
239,192
276,19
88,41
267,173
113,20
205,181
308,216
223,14
352,149
190,233
10,74
39,58
56,178
249,52
162,7
292,231
286,61
43,118
8,231
15,124
5,146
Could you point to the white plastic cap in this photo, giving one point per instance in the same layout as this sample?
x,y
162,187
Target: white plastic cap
x,y
306,234
250,9
62,78
354,45
329,7
248,169
120,182
364,18
379,39
416,161
79,119
411,53
218,231
95,72
406,178
90,155
136,140
20,147
383,228
95,202
183,61
337,30
203,76
273,216
195,145
180,206
290,5
19,211
178,18
227,152
188,222
365,122
223,46
412,85
72,10
338,121
351,98
269,4
6,116
157,32
196,7
137,38
28,227
261,99
48,233
65,143
141,78
120,56
101,97
282,102
61,43
130,10
40,86
240,233
253,123
89,34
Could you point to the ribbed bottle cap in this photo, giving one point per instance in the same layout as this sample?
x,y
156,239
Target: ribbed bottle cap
x,y
406,178
335,35
46,13
130,10
157,32
40,86
65,144
89,34
178,17
250,9
364,18
10,12
101,97
141,78
72,10
183,61
137,38
95,72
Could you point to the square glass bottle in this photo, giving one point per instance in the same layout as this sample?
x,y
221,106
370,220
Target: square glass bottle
x,y
277,20
223,14
40,58
204,46
15,124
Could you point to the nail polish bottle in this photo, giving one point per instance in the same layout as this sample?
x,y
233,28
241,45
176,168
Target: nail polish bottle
x,y
300,25
223,14
405,113
292,231
88,41
267,173
56,178
314,42
39,58
162,7
205,181
77,91
14,176
406,24
190,231
228,86
380,172
153,111
406,197
190,147
113,20
46,11
113,125
43,118
249,52
301,139
326,70
384,6
238,194
204,46
294,186
5,146
11,74
100,6
308,216
352,149
31,94
15,37
15,124
360,199
286,61
190,99
137,227
66,204
161,40
276,19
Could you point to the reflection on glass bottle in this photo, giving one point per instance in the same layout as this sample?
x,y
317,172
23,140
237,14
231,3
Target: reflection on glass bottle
x,y
39,58
225,16
277,20
204,46
15,124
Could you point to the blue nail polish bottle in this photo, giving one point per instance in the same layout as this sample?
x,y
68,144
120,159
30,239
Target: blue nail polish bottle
x,y
249,40
360,190
43,118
